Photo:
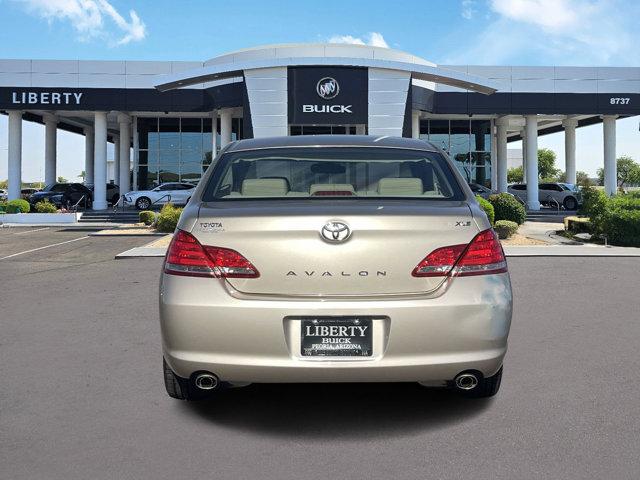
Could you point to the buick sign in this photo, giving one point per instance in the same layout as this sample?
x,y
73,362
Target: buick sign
x,y
327,88
327,95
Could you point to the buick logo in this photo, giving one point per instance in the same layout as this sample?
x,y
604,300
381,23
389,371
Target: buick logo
x,y
335,232
328,88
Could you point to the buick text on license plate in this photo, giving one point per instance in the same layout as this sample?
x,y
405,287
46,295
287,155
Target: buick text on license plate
x,y
336,337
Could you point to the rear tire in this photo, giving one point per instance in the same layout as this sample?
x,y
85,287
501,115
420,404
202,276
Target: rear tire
x,y
570,203
176,386
143,203
487,387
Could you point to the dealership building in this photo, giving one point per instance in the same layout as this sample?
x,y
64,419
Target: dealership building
x,y
166,119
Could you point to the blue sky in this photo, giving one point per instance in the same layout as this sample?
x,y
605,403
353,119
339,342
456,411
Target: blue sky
x,y
487,32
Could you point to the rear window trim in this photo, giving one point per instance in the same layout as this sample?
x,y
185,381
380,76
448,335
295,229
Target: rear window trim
x,y
212,179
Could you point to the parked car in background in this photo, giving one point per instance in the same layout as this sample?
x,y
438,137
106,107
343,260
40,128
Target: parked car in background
x,y
566,195
63,195
25,193
113,192
333,259
4,194
480,190
176,193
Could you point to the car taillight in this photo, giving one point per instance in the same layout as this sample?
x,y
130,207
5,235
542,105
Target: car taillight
x,y
186,256
482,256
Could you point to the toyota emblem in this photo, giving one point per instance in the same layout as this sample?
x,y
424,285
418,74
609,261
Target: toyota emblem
x,y
335,232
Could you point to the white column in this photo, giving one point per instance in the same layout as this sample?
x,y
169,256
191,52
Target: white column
x,y
347,129
415,124
214,134
360,129
226,115
523,135
116,159
88,155
610,167
125,154
501,152
14,154
50,147
100,162
494,155
531,127
570,125
136,154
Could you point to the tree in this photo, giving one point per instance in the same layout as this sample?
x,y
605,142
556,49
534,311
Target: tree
x,y
62,180
582,178
628,171
82,175
547,164
515,175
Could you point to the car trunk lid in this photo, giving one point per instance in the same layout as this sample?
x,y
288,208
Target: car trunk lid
x,y
283,240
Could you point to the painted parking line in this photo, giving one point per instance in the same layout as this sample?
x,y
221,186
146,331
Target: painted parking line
x,y
42,248
32,231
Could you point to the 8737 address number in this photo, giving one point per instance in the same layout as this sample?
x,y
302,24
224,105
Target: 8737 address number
x,y
619,100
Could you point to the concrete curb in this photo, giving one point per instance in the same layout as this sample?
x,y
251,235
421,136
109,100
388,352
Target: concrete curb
x,y
570,251
99,234
142,252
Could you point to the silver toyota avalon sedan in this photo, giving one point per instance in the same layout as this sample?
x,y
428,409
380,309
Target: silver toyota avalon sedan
x,y
333,259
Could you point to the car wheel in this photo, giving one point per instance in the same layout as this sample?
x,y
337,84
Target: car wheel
x,y
143,203
182,388
487,387
570,203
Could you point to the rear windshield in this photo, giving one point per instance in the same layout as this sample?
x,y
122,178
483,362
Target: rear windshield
x,y
328,172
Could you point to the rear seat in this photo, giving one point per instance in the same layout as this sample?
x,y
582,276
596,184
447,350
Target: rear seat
x,y
264,187
400,187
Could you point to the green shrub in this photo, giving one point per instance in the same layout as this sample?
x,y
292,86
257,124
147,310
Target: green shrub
x,y
578,225
487,207
18,206
506,207
622,226
168,218
505,228
147,217
45,206
594,206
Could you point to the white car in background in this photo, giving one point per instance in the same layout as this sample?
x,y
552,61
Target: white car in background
x,y
175,193
3,194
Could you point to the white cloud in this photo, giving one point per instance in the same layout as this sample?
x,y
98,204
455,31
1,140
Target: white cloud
x,y
577,32
374,39
468,9
91,19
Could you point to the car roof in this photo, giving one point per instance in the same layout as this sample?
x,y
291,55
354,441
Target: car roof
x,y
331,141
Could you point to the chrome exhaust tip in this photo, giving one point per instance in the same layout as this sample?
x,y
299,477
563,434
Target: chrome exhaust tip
x,y
466,381
206,381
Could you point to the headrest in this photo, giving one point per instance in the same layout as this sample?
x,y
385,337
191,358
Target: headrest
x,y
400,187
264,187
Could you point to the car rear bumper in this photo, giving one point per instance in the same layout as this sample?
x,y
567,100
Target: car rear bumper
x,y
415,338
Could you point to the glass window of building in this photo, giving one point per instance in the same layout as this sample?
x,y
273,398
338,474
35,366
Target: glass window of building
x,y
176,149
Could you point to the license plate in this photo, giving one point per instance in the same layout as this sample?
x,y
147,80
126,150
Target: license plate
x,y
336,337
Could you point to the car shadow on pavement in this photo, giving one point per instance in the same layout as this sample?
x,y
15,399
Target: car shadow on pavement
x,y
336,410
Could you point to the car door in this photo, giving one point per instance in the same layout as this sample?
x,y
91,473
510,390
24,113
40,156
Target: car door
x,y
165,193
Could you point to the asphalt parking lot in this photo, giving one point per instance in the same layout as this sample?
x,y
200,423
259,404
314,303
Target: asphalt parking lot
x,y
82,394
